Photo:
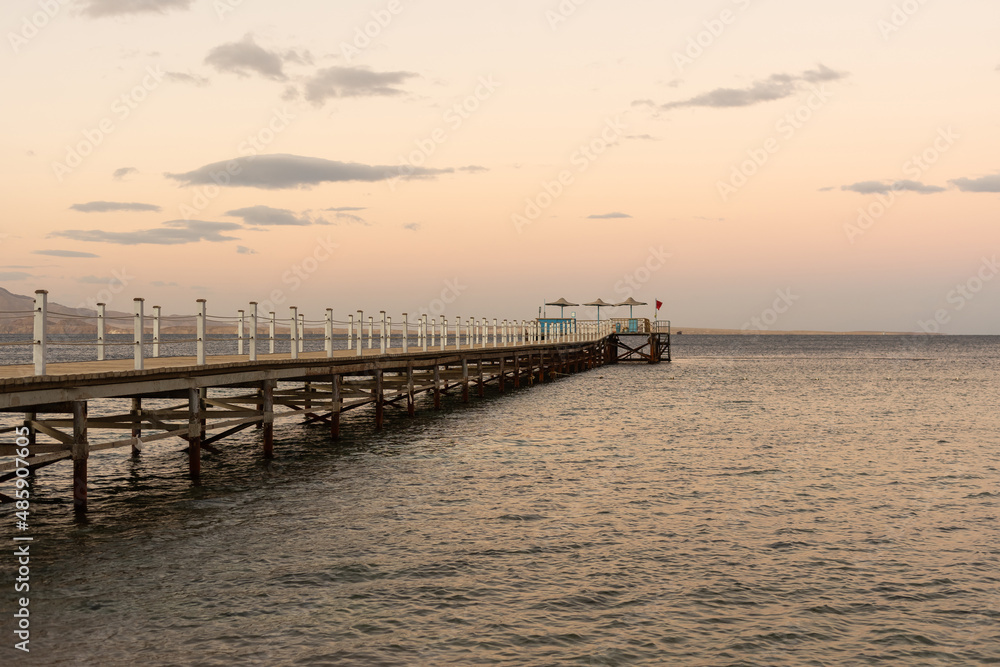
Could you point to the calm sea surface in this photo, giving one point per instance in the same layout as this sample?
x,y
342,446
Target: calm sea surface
x,y
760,501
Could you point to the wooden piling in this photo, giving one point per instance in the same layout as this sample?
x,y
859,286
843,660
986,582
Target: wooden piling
x,y
80,452
465,380
267,415
379,400
194,433
136,414
437,387
411,407
336,405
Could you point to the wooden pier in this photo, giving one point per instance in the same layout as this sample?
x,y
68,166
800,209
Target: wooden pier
x,y
209,399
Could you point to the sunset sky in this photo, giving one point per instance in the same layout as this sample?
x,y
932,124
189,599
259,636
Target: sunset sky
x,y
837,162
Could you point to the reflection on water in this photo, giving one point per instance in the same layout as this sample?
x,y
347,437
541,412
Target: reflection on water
x,y
760,501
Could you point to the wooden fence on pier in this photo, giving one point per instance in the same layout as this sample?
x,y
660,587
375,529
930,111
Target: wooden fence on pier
x,y
202,399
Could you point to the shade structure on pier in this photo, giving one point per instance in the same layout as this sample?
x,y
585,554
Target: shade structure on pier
x,y
630,302
599,303
562,303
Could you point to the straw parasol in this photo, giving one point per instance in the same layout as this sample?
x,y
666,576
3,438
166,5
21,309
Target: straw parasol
x,y
562,303
630,302
600,303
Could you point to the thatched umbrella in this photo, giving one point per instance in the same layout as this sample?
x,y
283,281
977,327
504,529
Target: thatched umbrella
x,y
562,303
600,303
630,302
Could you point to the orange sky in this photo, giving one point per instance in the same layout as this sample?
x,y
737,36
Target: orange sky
x,y
717,176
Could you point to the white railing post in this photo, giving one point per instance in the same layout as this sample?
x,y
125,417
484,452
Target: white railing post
x,y
361,319
329,332
388,334
302,333
371,329
293,331
494,332
444,332
458,333
201,330
253,331
423,333
156,331
350,332
102,330
241,326
271,331
41,330
138,329
406,333
381,332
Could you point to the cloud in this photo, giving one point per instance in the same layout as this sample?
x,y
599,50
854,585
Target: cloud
x,y
473,169
608,216
775,87
184,77
123,172
982,184
243,250
265,216
883,188
246,58
14,275
173,232
160,283
101,8
65,253
413,226
353,82
276,172
339,209
108,206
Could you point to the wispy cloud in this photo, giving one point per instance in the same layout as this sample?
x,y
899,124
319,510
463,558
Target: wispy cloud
x,y
160,283
65,253
413,226
265,216
100,8
774,87
184,77
276,172
885,187
173,232
246,58
13,276
243,250
123,172
608,216
109,206
981,184
334,82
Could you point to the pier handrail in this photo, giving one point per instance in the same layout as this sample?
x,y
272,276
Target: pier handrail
x,y
253,333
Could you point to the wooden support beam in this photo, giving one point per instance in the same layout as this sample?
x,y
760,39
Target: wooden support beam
x,y
379,400
267,417
465,380
437,387
517,370
481,380
503,373
195,433
80,452
337,404
136,414
411,407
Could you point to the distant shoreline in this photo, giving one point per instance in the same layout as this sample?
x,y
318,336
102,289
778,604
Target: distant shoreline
x,y
697,331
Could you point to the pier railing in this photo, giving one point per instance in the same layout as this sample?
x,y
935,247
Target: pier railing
x,y
253,335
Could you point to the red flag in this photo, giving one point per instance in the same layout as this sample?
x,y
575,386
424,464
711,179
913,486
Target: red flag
x,y
659,304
